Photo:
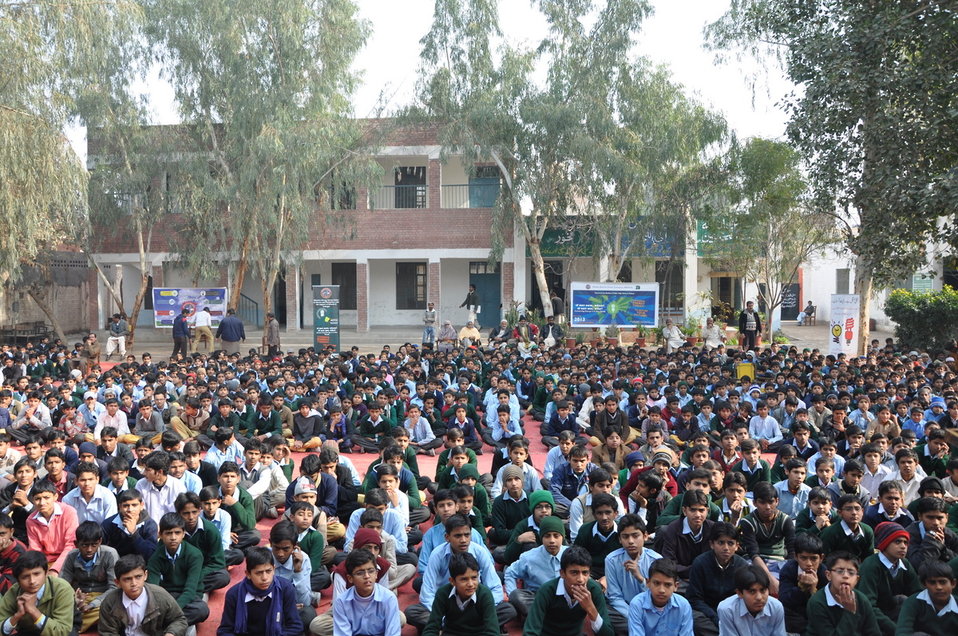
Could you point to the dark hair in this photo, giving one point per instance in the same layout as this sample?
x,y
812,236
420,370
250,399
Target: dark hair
x,y
228,467
6,521
603,499
460,563
88,532
575,555
258,555
734,479
376,497
692,498
664,566
222,434
462,491
841,555
933,569
43,486
29,560
931,504
817,493
127,563
185,498
764,491
87,467
599,475
631,521
384,470
128,495
443,494
171,521
357,558
808,543
370,514
792,464
456,521
283,531
210,493
749,575
311,464
722,529
158,461
303,505
844,500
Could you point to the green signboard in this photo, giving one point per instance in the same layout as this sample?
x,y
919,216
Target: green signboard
x,y
326,316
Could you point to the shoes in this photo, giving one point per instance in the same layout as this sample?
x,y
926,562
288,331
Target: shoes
x,y
431,452
272,513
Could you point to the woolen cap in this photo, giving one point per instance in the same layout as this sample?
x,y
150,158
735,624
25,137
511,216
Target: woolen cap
x,y
541,496
886,532
509,472
551,524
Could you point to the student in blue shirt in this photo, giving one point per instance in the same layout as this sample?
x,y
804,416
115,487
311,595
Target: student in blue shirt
x,y
751,611
659,611
627,569
366,607
536,567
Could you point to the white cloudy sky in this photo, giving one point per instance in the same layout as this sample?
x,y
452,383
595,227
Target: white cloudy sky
x,y
672,36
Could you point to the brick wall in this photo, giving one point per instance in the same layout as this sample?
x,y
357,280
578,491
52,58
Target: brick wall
x,y
434,281
362,297
508,283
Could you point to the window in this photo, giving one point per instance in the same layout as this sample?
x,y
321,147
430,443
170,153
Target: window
x,y
482,267
410,189
410,285
344,275
841,280
670,275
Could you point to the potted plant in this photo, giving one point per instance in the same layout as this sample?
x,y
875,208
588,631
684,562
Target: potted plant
x,y
691,331
643,334
571,340
579,338
612,335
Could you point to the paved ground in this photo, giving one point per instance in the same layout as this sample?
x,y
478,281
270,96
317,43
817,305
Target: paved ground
x,y
817,336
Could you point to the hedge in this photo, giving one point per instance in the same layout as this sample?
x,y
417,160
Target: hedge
x,y
924,320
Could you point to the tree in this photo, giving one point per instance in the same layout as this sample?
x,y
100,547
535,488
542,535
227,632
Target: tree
x,y
873,116
490,105
264,89
770,230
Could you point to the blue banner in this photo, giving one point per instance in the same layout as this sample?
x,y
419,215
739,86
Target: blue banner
x,y
620,304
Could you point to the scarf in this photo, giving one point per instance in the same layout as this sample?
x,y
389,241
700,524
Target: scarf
x,y
274,617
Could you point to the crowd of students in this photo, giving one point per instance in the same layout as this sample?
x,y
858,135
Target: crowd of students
x,y
676,497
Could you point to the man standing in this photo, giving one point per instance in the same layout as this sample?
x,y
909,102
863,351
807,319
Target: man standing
x,y
429,326
558,307
117,338
749,326
181,333
271,335
203,332
231,332
471,303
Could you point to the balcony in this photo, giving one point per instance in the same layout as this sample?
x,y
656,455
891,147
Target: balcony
x,y
400,197
471,195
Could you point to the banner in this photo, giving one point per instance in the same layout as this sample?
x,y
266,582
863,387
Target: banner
x,y
843,325
168,302
620,304
326,316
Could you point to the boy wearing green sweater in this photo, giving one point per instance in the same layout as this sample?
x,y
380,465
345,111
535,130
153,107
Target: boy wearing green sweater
x,y
838,608
600,537
887,578
755,469
177,567
237,503
463,607
562,605
849,535
933,611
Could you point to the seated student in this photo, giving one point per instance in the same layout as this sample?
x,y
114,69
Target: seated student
x,y
52,526
131,531
751,610
456,459
89,570
211,501
889,507
600,537
293,564
659,610
177,567
908,473
613,450
875,472
57,474
571,480
180,470
465,498
204,536
536,567
933,455
381,545
792,491
824,473
768,534
37,603
627,569
950,482
264,486
237,503
366,607
697,479
11,549
262,603
469,476
474,609
887,578
90,500
508,509
518,456
15,497
934,610
446,505
526,534
727,454
561,420
109,446
929,487
142,449
734,505
458,540
819,514
850,484
800,578
712,577
376,499
310,541
135,604
118,476
158,489
600,481
225,448
800,438
453,439
838,608
686,538
347,492
850,534
929,538
387,477
755,469
407,484
562,605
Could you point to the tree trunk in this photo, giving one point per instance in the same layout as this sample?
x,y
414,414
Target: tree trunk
x,y
106,281
38,296
863,287
539,271
137,304
238,280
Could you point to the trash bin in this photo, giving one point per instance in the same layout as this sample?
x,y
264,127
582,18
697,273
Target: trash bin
x,y
745,369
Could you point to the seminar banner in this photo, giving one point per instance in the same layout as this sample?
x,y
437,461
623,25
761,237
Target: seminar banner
x,y
169,301
326,316
620,304
844,324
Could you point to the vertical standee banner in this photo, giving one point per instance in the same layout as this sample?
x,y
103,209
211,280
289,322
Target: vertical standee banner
x,y
843,324
326,316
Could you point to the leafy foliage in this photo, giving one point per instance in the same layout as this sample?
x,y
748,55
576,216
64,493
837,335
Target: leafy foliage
x,y
926,321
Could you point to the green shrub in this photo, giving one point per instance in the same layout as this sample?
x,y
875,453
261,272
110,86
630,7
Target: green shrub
x,y
924,320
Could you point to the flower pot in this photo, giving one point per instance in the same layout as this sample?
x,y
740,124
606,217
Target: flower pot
x,y
692,340
569,343
613,342
640,341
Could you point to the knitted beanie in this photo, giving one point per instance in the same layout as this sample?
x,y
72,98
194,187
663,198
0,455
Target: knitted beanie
x,y
541,496
551,524
510,472
470,470
886,532
633,457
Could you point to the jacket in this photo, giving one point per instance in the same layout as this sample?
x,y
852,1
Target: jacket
x,y
272,333
181,328
57,605
162,616
231,329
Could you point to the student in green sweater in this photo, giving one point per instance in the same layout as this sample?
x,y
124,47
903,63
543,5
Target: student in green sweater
x,y
767,534
177,567
563,604
838,608
752,465
818,515
850,534
887,578
525,534
204,536
698,479
469,476
600,537
311,542
463,607
237,503
508,510
933,611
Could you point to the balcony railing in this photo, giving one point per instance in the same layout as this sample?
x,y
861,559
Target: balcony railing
x,y
470,195
399,197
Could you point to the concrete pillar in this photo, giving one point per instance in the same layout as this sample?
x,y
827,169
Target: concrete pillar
x,y
362,296
521,275
434,185
94,318
696,308
434,282
293,294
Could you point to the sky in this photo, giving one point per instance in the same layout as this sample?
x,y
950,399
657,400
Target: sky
x,y
671,37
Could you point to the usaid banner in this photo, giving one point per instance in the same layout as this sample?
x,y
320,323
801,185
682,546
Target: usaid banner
x,y
843,324
169,301
620,304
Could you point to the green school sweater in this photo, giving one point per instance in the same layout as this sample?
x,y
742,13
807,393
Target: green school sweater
x,y
764,473
313,545
834,538
207,539
506,514
805,523
598,548
673,510
550,614
825,620
443,461
876,583
477,619
181,578
241,512
918,615
514,548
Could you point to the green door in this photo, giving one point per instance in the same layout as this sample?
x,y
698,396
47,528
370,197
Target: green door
x,y
489,288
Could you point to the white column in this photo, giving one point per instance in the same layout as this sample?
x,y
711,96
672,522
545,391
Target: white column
x,y
520,289
696,308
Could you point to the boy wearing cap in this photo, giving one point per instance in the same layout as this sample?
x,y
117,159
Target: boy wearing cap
x,y
537,566
527,534
886,577
508,509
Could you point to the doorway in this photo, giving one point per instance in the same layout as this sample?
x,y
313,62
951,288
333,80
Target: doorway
x,y
488,282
